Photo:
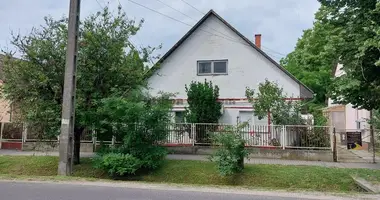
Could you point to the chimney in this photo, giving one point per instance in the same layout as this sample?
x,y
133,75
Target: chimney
x,y
258,40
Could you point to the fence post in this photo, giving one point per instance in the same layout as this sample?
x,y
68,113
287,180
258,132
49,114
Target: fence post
x,y
372,137
93,135
335,156
283,137
113,141
25,132
1,134
24,135
193,133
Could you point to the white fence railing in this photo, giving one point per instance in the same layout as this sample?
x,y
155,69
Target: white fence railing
x,y
191,134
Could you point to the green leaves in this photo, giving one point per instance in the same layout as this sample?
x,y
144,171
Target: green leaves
x,y
270,99
231,152
117,164
314,56
204,106
140,124
108,66
357,23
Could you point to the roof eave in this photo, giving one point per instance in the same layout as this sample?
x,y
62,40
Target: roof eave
x,y
212,12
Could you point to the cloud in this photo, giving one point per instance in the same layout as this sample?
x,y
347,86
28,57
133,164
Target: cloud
x,y
280,22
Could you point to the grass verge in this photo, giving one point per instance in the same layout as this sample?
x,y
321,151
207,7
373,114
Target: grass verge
x,y
199,173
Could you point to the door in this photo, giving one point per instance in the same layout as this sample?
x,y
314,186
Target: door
x,y
246,116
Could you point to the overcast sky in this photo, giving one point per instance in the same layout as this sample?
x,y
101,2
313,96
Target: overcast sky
x,y
280,22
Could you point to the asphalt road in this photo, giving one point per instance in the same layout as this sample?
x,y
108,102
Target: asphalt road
x,y
56,191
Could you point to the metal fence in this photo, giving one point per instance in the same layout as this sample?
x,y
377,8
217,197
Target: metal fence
x,y
191,134
297,137
300,137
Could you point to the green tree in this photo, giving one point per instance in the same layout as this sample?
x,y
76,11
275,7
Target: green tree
x,y
357,23
108,65
140,123
313,61
204,106
271,99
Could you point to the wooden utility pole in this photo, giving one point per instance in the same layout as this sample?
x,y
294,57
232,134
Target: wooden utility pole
x,y
66,138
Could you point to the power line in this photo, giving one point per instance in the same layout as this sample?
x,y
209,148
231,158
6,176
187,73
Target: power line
x,y
195,19
184,14
184,22
100,4
128,17
102,7
193,7
137,37
281,54
274,56
276,52
159,12
172,18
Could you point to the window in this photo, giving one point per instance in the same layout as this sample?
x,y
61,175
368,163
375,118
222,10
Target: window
x,y
212,67
179,117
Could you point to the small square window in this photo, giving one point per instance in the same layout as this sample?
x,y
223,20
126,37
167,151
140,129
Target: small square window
x,y
212,67
220,67
204,68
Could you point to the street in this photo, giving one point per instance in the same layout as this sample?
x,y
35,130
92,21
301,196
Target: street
x,y
10,190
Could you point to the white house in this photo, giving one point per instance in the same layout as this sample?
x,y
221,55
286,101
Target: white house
x,y
216,51
345,118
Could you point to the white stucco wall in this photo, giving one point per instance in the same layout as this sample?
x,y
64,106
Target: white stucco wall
x,y
351,115
338,72
246,66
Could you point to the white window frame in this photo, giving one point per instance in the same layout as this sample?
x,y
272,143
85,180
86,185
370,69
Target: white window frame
x,y
212,67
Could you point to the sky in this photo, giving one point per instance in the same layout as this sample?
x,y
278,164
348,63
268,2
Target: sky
x,y
281,22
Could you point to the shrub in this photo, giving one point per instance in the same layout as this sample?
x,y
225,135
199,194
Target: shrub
x,y
152,157
118,164
230,154
140,124
204,107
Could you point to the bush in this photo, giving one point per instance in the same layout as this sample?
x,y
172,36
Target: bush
x,y
140,124
118,164
152,157
230,154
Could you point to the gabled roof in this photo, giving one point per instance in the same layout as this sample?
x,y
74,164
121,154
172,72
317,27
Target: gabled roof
x,y
308,93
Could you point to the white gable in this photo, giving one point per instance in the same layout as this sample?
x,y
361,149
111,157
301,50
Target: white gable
x,y
246,66
339,70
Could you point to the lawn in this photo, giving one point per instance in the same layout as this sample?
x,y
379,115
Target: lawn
x,y
203,173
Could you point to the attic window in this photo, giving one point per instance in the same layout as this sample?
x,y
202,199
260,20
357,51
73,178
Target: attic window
x,y
212,67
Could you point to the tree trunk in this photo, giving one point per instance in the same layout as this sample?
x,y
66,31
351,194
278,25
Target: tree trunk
x,y
77,134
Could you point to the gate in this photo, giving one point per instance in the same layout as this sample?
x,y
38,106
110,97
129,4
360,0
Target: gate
x,y
356,145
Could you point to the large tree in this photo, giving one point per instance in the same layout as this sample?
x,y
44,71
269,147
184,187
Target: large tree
x,y
357,24
108,65
270,99
313,60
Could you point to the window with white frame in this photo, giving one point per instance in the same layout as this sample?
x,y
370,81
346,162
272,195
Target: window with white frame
x,y
212,67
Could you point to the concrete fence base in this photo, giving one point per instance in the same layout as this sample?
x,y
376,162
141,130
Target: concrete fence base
x,y
288,154
52,146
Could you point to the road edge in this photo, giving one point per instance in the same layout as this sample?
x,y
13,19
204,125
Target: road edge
x,y
206,189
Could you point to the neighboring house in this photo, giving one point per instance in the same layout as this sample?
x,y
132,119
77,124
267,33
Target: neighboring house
x,y
216,51
5,115
345,118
